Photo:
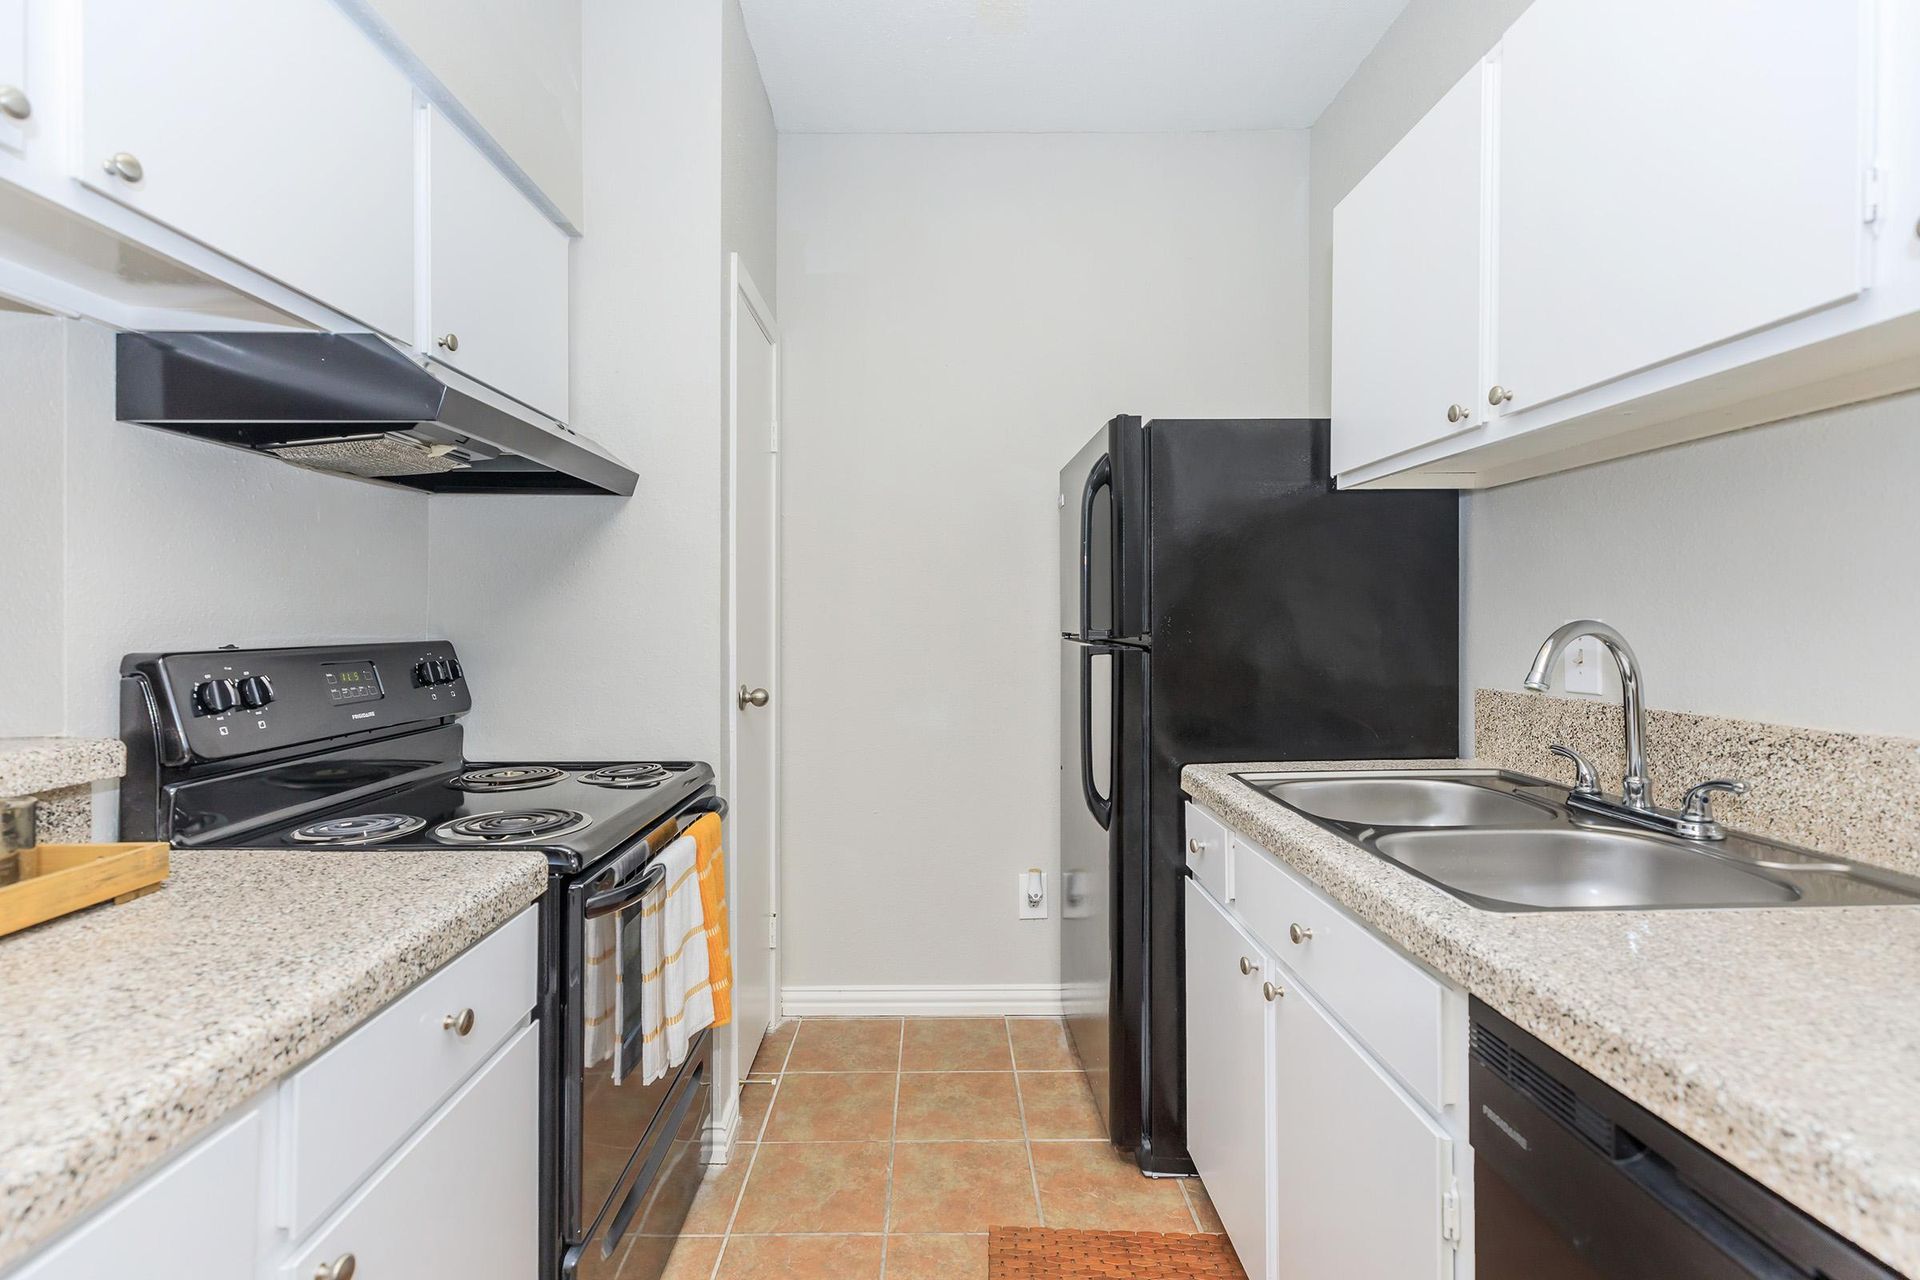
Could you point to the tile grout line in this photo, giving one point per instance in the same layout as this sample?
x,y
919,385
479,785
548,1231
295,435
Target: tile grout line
x,y
1026,1138
1187,1200
726,1233
893,1146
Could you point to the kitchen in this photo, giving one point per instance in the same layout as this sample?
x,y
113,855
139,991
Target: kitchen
x,y
834,292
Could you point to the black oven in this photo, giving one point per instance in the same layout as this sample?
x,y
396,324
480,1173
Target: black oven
x,y
628,1156
1575,1182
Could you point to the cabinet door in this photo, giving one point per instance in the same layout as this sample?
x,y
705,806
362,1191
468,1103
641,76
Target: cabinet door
x,y
462,1197
1407,264
1361,1171
13,74
497,271
273,133
1670,177
1226,1077
196,1219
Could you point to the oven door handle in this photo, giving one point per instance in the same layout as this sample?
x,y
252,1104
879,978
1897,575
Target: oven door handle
x,y
622,896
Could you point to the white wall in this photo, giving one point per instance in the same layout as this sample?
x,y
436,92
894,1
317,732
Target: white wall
x,y
1762,575
593,626
749,161
960,313
134,539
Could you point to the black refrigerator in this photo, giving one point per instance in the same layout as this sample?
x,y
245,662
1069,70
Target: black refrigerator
x,y
1220,601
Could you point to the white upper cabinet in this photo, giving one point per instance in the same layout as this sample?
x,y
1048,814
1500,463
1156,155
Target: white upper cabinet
x,y
16,94
275,133
496,272
1671,176
1408,262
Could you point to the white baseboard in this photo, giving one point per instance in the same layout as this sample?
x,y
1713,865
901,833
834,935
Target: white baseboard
x,y
923,1001
716,1145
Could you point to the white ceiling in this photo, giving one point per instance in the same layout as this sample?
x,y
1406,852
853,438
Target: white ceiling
x,y
1066,66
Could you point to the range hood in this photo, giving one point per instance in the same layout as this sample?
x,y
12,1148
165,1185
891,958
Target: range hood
x,y
354,404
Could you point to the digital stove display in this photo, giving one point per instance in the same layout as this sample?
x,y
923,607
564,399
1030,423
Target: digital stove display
x,y
351,681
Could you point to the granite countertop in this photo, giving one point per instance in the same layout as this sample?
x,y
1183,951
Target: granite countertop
x,y
28,765
1788,1041
132,1029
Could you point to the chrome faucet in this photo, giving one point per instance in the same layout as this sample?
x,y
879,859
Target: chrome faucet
x,y
1694,819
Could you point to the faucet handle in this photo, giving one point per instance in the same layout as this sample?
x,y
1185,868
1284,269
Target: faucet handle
x,y
1696,808
1585,782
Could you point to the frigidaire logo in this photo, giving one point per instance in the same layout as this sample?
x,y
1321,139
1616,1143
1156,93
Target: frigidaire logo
x,y
1504,1127
363,715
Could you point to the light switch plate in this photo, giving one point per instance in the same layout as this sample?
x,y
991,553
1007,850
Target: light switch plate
x,y
1581,673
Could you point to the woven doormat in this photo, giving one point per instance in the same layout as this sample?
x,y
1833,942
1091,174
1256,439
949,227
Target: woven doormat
x,y
1038,1253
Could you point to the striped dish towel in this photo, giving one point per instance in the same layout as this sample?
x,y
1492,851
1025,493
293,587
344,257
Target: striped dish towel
x,y
711,861
677,1001
601,1033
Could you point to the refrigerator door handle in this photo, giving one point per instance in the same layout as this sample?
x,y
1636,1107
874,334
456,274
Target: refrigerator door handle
x,y
1101,807
1100,477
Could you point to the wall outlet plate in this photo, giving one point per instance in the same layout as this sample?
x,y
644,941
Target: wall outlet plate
x,y
1032,895
1581,671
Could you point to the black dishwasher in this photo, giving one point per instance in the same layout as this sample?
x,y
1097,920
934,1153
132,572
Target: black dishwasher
x,y
1571,1181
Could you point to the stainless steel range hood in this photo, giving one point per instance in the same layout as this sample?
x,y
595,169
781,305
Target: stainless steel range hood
x,y
353,404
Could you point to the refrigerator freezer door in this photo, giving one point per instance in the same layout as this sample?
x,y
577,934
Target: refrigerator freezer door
x,y
1086,873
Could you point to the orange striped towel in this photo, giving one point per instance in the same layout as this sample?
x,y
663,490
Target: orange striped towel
x,y
710,859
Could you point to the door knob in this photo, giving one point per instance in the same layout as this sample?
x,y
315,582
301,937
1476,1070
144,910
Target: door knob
x,y
753,697
14,102
124,164
1456,413
1497,394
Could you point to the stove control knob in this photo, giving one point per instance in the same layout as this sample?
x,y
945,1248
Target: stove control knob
x,y
214,696
255,692
442,671
423,673
453,669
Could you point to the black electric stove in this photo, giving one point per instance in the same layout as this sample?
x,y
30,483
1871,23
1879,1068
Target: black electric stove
x,y
358,748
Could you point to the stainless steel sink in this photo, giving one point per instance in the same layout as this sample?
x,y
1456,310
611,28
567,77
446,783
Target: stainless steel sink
x,y
1388,801
1558,870
1506,842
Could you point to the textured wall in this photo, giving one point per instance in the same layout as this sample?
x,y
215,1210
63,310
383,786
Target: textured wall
x,y
961,313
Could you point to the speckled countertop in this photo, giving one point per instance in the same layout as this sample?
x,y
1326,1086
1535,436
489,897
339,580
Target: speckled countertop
x,y
28,765
1788,1041
131,1029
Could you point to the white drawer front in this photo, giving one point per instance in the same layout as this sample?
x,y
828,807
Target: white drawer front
x,y
1207,851
1387,1000
348,1108
462,1197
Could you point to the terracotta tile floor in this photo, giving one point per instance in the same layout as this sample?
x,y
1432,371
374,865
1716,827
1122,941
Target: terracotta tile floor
x,y
885,1147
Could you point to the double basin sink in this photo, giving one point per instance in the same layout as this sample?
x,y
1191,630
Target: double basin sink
x,y
1504,842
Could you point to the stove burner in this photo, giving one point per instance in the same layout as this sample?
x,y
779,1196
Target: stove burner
x,y
512,826
509,778
627,775
370,828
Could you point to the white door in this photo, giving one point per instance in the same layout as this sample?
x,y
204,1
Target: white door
x,y
1228,1133
496,293
276,134
1408,256
1361,1171
1671,176
754,358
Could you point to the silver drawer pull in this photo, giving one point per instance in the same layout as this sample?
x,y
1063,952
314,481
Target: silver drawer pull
x,y
124,164
459,1023
341,1268
1196,846
1300,933
1248,966
14,102
1272,992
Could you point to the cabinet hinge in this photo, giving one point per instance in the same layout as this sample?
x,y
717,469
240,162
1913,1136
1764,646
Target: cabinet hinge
x,y
1450,1211
1870,195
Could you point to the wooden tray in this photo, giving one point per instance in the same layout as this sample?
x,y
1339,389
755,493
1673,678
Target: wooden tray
x,y
58,878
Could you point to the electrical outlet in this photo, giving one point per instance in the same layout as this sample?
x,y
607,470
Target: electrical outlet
x,y
1581,673
1033,894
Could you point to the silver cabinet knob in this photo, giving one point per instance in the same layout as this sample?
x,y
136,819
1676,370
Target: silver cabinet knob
x,y
448,341
460,1023
1497,394
341,1268
1456,413
1300,933
1247,966
1272,992
124,164
14,102
1196,846
753,697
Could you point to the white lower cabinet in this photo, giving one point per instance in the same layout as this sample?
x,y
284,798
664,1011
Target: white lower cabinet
x,y
1318,1156
1227,1078
461,1198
